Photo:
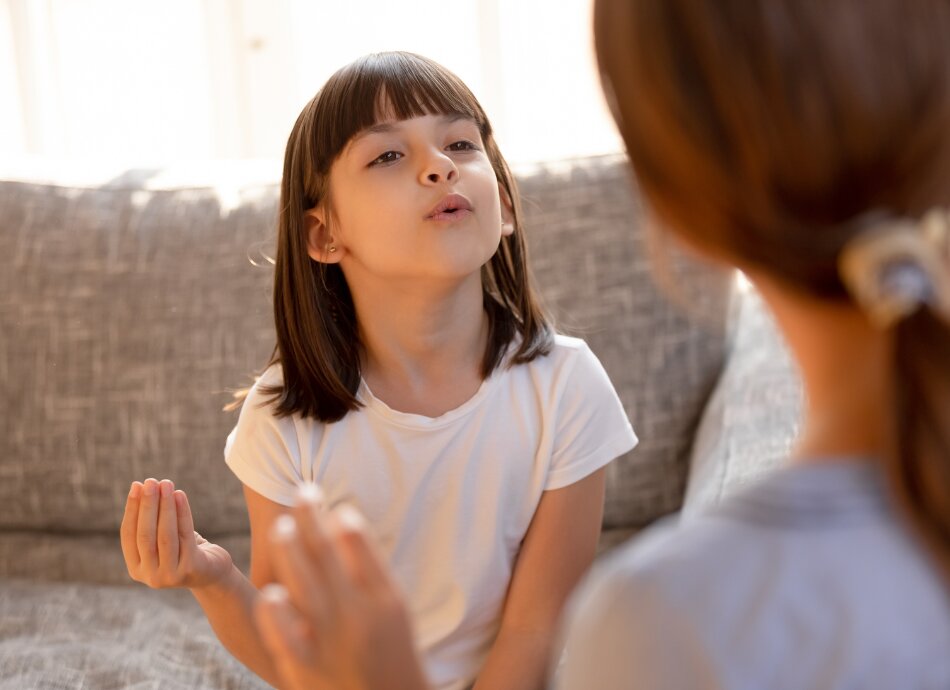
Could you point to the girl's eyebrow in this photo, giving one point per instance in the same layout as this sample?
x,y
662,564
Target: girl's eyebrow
x,y
393,125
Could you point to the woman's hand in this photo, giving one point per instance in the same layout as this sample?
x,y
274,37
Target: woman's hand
x,y
159,542
337,620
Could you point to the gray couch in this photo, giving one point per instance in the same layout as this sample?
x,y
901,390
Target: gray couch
x,y
131,304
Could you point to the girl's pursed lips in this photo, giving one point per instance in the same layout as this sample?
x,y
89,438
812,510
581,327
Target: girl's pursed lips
x,y
453,215
451,205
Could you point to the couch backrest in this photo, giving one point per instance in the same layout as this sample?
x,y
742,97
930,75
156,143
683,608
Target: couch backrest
x,y
598,266
129,309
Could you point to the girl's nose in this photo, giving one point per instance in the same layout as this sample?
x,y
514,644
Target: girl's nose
x,y
441,168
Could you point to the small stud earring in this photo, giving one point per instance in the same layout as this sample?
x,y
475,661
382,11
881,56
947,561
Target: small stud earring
x,y
332,249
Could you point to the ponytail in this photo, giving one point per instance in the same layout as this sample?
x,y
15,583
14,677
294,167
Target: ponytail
x,y
919,471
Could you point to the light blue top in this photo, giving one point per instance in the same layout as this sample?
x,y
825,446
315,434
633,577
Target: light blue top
x,y
807,580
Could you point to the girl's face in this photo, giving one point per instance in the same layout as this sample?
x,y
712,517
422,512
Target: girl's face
x,y
411,199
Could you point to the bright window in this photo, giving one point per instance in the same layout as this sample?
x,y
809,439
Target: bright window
x,y
149,82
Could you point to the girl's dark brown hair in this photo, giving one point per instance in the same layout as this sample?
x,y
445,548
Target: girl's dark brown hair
x,y
318,344
759,129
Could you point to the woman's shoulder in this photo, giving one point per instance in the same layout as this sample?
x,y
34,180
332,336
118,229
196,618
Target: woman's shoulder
x,y
696,570
669,554
634,607
725,586
796,525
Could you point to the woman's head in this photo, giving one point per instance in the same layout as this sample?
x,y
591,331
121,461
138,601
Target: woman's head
x,y
385,140
758,130
768,132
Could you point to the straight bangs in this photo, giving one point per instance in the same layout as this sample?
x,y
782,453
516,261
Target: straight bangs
x,y
387,86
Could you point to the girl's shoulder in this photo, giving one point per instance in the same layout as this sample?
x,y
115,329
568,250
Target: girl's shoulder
x,y
259,407
261,392
564,349
271,376
568,359
567,343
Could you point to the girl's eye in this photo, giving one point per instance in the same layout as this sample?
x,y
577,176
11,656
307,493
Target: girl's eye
x,y
462,145
388,157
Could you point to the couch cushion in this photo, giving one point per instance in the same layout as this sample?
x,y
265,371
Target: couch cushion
x,y
85,636
128,310
754,413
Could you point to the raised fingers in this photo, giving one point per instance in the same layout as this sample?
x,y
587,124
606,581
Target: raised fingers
x,y
296,570
361,553
186,522
127,531
167,532
283,631
147,526
314,526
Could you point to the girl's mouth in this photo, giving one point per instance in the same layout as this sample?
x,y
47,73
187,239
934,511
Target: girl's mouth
x,y
451,206
450,214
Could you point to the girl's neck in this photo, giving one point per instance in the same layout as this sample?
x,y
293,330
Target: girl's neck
x,y
421,339
846,367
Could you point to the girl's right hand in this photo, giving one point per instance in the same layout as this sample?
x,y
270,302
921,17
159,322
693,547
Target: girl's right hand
x,y
159,542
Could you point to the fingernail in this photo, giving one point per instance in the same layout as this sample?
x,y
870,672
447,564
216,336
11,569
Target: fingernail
x,y
285,527
150,487
134,490
166,488
274,593
350,518
310,494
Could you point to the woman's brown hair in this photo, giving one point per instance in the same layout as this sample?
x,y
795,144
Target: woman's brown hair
x,y
318,345
762,129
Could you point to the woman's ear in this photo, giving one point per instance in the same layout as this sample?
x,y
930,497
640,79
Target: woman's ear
x,y
320,243
507,212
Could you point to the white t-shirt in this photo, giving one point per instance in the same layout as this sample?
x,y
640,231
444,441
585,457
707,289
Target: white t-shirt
x,y
449,498
807,580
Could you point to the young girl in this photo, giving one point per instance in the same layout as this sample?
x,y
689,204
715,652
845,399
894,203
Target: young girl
x,y
414,379
808,144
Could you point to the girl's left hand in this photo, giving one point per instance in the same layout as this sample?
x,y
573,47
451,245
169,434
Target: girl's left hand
x,y
336,621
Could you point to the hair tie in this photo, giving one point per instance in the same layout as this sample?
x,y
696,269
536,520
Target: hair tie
x,y
897,265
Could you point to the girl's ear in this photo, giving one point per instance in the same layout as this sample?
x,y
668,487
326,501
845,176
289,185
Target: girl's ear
x,y
507,212
320,243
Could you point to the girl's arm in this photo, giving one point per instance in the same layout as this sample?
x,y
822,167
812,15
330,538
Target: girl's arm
x,y
229,605
558,549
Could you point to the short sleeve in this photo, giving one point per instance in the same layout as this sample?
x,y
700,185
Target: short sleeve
x,y
591,426
262,450
622,632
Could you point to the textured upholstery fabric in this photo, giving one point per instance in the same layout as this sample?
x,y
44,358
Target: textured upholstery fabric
x,y
77,635
125,316
754,413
